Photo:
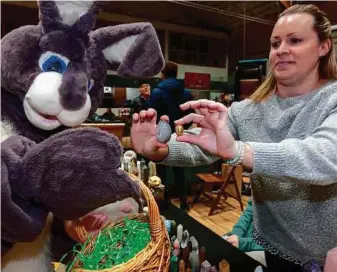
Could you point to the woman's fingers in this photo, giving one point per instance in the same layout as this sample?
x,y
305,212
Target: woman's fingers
x,y
164,118
135,117
217,106
142,116
223,115
192,117
149,115
189,138
203,111
193,104
203,104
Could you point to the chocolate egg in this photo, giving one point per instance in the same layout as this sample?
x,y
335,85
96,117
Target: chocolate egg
x,y
163,132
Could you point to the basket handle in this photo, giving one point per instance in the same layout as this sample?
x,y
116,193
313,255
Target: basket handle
x,y
156,224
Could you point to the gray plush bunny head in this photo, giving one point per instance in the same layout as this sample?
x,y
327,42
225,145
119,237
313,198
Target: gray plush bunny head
x,y
58,67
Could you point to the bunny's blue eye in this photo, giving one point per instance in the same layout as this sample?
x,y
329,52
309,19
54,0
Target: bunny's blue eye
x,y
54,64
90,84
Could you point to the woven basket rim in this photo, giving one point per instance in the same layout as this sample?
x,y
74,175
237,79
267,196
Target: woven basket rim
x,y
119,266
158,233
153,211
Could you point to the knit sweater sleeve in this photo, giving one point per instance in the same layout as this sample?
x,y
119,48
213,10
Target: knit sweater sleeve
x,y
311,160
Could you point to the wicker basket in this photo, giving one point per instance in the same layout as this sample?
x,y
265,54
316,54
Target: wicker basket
x,y
155,256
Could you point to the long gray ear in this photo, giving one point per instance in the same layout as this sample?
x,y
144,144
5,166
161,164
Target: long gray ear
x,y
130,49
78,15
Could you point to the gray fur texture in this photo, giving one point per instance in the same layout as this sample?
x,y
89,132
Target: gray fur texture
x,y
75,171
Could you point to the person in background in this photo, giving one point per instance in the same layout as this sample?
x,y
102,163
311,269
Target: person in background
x,y
109,115
285,135
141,102
166,99
225,99
169,94
241,235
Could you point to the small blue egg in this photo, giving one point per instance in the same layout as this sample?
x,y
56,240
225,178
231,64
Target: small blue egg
x,y
164,132
168,225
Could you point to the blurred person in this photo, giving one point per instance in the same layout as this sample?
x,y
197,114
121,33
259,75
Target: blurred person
x,y
141,102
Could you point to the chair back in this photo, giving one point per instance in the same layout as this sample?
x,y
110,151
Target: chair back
x,y
237,177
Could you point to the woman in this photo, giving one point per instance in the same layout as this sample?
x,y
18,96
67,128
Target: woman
x,y
285,135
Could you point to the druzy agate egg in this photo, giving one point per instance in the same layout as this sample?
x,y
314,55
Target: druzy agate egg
x,y
163,132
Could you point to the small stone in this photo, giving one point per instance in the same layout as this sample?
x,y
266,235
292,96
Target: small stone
x,y
213,269
186,255
179,130
180,232
174,265
163,132
194,242
176,244
205,266
168,225
224,266
173,238
181,266
173,227
175,252
202,255
185,239
194,261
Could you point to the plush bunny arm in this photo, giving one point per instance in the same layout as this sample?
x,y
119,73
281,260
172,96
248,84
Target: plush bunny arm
x,y
21,219
69,174
75,172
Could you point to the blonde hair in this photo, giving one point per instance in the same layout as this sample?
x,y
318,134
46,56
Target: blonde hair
x,y
327,65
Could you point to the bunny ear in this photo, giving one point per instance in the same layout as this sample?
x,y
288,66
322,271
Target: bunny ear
x,y
56,15
130,49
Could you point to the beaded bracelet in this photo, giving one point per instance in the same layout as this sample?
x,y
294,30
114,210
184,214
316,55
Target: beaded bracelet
x,y
239,156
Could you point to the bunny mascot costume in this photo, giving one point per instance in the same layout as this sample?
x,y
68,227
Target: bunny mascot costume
x,y
52,77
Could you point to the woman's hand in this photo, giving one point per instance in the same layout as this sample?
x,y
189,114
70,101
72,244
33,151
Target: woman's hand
x,y
215,136
144,135
234,240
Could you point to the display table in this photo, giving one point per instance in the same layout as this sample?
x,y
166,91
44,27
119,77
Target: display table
x,y
217,248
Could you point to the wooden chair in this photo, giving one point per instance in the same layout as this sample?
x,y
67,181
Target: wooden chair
x,y
231,180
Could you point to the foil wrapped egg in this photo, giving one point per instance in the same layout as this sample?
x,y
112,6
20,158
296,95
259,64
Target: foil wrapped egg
x,y
163,132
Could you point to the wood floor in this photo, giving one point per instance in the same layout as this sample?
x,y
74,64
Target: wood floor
x,y
223,219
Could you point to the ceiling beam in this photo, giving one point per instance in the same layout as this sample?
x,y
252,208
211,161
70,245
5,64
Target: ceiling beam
x,y
119,18
223,12
260,9
253,9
